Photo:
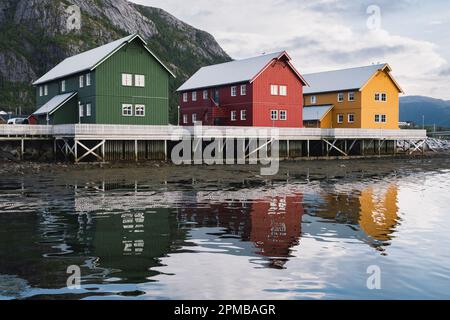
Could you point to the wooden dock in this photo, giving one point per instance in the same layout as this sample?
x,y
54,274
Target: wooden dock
x,y
84,142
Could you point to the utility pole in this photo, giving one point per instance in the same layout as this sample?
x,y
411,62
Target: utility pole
x,y
423,122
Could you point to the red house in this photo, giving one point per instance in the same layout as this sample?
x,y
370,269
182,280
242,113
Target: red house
x,y
265,91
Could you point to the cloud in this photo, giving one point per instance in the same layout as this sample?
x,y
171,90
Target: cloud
x,y
320,35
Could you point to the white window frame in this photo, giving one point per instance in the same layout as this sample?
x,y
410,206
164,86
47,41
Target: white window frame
x,y
88,79
63,86
351,96
283,90
351,115
205,94
340,97
377,118
313,99
243,90
274,90
377,96
283,112
233,115
243,115
234,91
185,97
194,96
383,118
274,115
383,97
41,91
88,109
46,90
141,108
81,110
185,119
81,81
339,116
139,80
127,80
127,110
194,118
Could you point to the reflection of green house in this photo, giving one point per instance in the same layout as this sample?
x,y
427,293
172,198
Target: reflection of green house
x,y
131,244
122,82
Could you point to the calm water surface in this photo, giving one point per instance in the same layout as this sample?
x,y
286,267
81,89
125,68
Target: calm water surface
x,y
291,238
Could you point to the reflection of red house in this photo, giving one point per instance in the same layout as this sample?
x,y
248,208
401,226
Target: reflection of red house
x,y
276,226
272,224
265,91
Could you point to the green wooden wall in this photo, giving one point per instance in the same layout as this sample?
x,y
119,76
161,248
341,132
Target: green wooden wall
x,y
132,59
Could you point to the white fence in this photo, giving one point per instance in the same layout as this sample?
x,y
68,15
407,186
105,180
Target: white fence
x,y
131,132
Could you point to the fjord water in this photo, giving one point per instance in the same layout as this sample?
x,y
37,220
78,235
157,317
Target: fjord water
x,y
312,232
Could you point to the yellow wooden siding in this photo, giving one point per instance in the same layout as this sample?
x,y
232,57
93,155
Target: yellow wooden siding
x,y
345,108
380,83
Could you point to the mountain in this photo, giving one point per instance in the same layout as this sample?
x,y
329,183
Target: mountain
x,y
436,112
35,35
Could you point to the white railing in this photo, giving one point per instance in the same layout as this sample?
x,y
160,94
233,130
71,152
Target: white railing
x,y
93,131
25,130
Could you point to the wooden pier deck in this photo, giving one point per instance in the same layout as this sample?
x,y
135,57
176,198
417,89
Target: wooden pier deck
x,y
121,142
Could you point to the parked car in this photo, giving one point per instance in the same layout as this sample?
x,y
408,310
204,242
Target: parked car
x,y
16,121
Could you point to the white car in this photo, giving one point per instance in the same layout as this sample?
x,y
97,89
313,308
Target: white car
x,y
17,121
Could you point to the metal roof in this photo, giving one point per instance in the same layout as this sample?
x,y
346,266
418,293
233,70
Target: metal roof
x,y
316,113
238,71
55,103
89,60
340,80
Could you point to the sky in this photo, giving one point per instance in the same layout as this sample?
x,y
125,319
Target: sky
x,y
411,35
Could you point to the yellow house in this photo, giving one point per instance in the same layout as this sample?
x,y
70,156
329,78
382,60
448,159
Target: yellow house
x,y
360,98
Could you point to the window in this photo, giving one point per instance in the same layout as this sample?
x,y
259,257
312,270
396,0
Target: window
x,y
139,110
205,95
127,110
185,97
377,118
244,90
194,96
46,90
340,97
233,91
351,96
313,99
81,110
243,115
185,118
283,90
340,118
233,115
274,90
88,110
127,79
81,80
283,115
274,115
384,97
41,91
383,118
63,86
194,118
88,80
377,97
139,80
351,118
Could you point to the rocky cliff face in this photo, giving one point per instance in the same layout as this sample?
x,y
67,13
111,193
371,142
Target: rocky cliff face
x,y
37,34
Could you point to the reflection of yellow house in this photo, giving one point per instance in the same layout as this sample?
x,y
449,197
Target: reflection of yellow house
x,y
366,97
379,213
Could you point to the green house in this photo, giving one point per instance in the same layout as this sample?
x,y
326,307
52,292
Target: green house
x,y
121,83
